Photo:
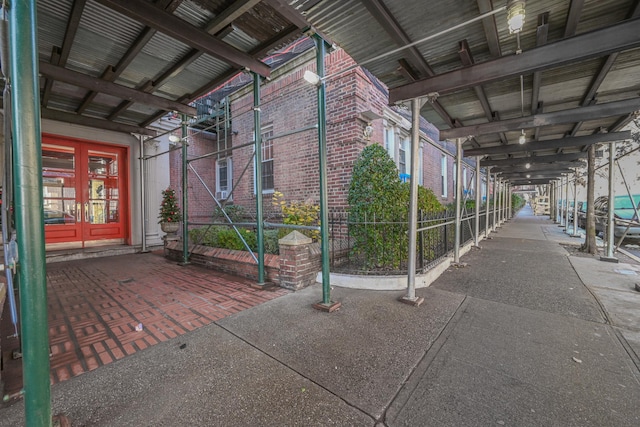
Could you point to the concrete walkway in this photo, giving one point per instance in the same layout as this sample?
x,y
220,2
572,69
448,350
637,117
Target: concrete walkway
x,y
525,335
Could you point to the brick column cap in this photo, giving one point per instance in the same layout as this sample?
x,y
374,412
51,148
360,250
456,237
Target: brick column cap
x,y
295,238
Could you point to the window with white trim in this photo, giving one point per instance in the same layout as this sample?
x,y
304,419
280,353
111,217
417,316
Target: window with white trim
x,y
268,183
224,178
443,174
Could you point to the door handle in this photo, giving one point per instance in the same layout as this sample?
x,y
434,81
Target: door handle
x,y
86,212
79,212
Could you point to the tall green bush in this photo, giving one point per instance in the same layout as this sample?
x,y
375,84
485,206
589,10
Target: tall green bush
x,y
379,209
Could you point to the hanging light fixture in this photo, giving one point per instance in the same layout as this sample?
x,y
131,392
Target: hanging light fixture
x,y
523,138
527,165
528,175
515,15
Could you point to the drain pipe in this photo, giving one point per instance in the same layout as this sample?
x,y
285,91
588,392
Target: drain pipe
x,y
29,211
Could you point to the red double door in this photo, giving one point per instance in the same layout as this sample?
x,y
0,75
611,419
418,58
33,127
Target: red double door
x,y
85,193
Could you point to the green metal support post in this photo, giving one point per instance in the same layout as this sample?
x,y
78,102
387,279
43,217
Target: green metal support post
x,y
326,304
185,191
259,212
29,212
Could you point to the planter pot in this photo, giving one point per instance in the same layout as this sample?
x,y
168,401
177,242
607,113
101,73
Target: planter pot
x,y
170,227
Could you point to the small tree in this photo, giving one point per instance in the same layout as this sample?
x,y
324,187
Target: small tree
x,y
169,209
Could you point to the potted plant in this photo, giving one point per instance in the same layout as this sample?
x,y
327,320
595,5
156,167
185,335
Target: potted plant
x,y
170,215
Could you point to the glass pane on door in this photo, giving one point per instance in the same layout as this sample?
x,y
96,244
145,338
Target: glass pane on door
x,y
59,185
103,206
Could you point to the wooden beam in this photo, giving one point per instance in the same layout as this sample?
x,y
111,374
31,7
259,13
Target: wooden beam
x,y
93,122
156,17
82,80
573,17
592,112
615,38
577,141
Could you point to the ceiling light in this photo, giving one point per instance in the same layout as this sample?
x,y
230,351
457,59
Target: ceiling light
x,y
527,165
528,175
312,77
522,139
515,15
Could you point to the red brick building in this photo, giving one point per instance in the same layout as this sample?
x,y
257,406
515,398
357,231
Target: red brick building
x,y
358,114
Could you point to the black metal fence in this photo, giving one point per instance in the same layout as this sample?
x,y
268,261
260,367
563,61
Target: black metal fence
x,y
370,246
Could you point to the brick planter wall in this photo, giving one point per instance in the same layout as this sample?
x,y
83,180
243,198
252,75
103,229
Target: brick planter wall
x,y
295,268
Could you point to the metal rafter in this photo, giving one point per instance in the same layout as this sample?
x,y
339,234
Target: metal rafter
x,y
573,17
591,112
156,17
218,26
541,39
490,28
535,159
82,80
62,53
112,73
467,60
615,38
295,17
93,122
577,141
261,50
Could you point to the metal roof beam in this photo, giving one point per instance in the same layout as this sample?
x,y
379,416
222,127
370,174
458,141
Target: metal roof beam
x,y
261,50
535,159
530,181
112,73
591,112
295,17
490,28
541,39
577,141
384,17
539,167
93,122
539,174
467,60
573,17
156,17
82,80
615,38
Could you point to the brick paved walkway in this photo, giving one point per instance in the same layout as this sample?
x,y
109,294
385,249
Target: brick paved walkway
x,y
95,306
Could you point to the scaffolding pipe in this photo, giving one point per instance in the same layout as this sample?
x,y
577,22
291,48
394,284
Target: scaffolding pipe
x,y
456,244
322,160
413,199
257,125
575,205
495,201
486,204
611,207
478,202
29,209
244,242
185,191
143,202
566,205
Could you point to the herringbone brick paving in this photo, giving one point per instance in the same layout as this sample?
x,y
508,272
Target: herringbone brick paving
x,y
96,304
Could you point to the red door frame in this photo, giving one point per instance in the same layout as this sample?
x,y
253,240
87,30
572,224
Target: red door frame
x,y
82,232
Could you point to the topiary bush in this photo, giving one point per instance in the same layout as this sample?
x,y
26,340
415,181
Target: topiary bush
x,y
379,209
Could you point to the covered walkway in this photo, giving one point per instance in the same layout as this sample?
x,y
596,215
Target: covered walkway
x,y
530,332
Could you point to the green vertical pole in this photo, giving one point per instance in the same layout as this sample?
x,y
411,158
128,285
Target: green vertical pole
x,y
29,212
185,192
326,303
259,213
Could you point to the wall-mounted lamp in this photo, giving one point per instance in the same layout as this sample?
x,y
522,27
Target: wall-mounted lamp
x,y
527,165
312,78
515,15
523,138
174,139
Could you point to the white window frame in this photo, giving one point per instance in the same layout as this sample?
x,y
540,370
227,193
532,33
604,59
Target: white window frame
x,y
220,163
443,175
265,130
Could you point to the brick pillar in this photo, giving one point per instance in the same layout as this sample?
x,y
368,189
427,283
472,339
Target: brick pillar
x,y
296,267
